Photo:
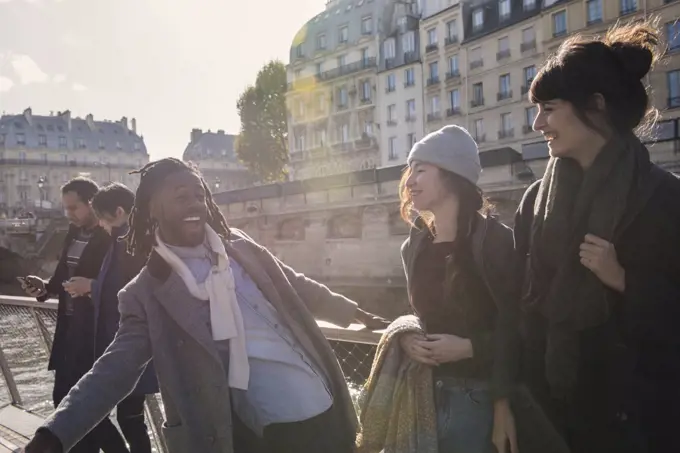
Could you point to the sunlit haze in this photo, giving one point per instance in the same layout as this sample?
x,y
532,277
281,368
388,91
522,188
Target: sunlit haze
x,y
172,65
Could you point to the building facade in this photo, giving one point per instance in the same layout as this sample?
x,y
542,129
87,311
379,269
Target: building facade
x,y
38,154
214,154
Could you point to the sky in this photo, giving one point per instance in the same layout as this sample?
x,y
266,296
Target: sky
x,y
172,64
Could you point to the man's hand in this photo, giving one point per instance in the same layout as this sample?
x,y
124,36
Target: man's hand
x,y
504,431
448,348
599,256
413,344
43,442
34,286
371,321
78,286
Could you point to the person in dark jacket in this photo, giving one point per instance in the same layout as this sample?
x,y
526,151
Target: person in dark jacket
x,y
460,288
73,347
112,205
600,235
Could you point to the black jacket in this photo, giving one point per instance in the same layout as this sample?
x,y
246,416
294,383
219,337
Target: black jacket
x,y
630,364
493,253
74,334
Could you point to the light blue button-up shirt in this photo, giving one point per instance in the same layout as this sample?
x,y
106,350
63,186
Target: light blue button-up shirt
x,y
285,385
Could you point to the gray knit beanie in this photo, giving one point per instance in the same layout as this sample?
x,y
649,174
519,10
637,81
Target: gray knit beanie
x,y
450,148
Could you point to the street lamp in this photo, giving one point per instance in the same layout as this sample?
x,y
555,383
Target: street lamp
x,y
217,183
41,188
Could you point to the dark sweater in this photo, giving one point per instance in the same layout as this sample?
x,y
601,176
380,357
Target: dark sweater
x,y
465,310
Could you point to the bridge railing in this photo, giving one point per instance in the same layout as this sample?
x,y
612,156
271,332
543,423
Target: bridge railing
x,y
27,328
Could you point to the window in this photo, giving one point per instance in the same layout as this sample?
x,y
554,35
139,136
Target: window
x,y
366,90
529,74
434,105
22,175
301,109
44,158
81,143
389,48
368,128
673,35
504,85
452,30
64,158
344,133
319,68
478,129
364,55
674,88
366,25
42,140
342,61
434,71
477,19
529,5
506,122
594,10
321,41
504,9
559,21
300,141
392,149
503,48
410,77
392,113
411,140
476,60
628,6
453,65
298,74
391,82
411,109
21,139
343,35
62,142
118,145
137,146
432,37
530,115
22,157
454,99
409,42
2,139
101,144
528,35
300,50
342,97
477,94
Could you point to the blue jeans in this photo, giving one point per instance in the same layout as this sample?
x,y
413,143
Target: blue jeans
x,y
464,416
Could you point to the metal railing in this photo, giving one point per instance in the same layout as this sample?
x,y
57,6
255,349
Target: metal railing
x,y
27,328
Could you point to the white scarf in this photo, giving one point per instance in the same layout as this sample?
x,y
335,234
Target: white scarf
x,y
225,314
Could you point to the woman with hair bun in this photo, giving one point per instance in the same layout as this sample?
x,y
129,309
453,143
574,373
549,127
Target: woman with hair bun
x,y
600,236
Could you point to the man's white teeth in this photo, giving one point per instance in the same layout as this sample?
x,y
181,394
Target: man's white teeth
x,y
192,219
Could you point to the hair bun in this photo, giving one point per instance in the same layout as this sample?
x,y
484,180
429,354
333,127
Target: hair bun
x,y
636,60
635,45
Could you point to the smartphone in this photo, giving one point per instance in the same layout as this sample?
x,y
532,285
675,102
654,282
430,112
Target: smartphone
x,y
24,281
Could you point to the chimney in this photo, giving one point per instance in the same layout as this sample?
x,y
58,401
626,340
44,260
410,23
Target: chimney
x,y
28,114
196,135
133,125
220,132
124,123
89,119
66,115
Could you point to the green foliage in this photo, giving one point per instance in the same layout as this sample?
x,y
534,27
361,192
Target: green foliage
x,y
262,144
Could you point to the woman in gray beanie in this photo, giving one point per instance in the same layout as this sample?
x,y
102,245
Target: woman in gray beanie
x,y
462,286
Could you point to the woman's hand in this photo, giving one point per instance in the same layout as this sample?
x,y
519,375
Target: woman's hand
x,y
78,286
413,345
504,431
599,256
448,348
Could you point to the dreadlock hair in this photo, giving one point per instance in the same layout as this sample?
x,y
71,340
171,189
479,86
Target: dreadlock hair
x,y
140,237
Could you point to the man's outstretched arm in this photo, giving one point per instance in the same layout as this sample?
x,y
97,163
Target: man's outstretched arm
x,y
109,381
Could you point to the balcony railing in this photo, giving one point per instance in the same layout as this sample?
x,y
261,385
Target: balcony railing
x,y
70,163
433,117
503,54
628,9
506,133
410,118
409,83
432,81
594,20
476,64
410,57
673,102
366,100
451,75
525,89
503,95
527,46
450,40
559,33
431,47
480,138
527,129
391,122
390,62
477,102
351,68
341,107
453,111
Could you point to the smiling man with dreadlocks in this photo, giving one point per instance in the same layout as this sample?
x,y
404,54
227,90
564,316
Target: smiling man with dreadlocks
x,y
241,363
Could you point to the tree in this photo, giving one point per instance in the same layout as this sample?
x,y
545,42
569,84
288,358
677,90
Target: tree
x,y
262,144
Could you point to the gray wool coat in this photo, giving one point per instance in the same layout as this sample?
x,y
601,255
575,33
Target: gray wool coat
x,y
157,322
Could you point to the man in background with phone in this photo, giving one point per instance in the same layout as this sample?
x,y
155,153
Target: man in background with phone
x,y
73,353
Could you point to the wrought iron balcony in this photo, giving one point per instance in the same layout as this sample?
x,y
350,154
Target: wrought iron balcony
x,y
506,133
503,95
453,111
527,46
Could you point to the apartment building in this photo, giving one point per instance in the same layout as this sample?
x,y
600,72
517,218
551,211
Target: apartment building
x,y
38,154
400,83
214,154
332,91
